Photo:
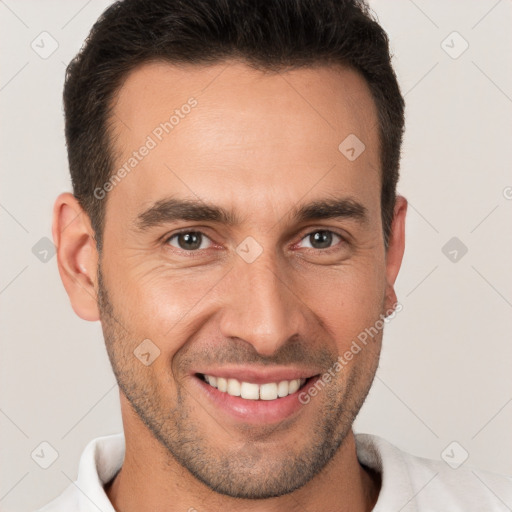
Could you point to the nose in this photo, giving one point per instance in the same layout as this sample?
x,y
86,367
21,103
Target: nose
x,y
261,307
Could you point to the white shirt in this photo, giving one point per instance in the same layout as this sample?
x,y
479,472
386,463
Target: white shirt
x,y
409,483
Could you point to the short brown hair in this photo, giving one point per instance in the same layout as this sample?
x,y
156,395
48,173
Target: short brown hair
x,y
267,34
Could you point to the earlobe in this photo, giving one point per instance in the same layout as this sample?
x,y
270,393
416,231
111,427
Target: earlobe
x,y
395,249
77,256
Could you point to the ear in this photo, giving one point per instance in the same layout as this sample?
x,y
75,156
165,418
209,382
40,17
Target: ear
x,y
395,251
77,256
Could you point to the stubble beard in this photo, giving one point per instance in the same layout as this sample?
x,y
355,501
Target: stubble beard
x,y
248,470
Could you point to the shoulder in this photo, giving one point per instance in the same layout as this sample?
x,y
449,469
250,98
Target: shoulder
x,y
100,460
412,483
67,500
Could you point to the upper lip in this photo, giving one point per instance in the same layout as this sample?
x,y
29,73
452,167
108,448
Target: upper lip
x,y
258,375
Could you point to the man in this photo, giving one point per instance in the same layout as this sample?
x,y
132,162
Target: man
x,y
235,227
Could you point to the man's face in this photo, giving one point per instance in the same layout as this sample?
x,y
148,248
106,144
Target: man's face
x,y
265,298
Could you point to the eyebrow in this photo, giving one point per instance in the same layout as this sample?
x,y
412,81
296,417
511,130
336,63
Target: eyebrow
x,y
340,208
172,209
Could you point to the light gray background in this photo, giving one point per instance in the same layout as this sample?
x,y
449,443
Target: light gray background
x,y
445,373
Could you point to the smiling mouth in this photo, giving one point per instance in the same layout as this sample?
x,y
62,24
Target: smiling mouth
x,y
253,391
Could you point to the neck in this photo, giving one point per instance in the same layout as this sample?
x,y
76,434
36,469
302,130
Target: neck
x,y
152,480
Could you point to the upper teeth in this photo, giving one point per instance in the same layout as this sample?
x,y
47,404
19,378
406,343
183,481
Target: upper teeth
x,y
251,391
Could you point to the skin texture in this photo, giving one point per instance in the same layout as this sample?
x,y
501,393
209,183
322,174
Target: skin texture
x,y
259,144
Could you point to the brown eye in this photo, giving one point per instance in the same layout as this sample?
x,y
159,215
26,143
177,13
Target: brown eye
x,y
321,239
188,240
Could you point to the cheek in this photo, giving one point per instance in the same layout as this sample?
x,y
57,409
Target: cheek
x,y
348,300
158,301
167,305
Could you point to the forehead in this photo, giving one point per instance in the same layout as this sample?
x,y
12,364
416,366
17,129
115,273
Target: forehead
x,y
229,133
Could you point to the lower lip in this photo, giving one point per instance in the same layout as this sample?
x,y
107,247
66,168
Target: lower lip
x,y
257,412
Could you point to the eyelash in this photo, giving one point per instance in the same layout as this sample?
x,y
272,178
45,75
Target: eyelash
x,y
192,253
